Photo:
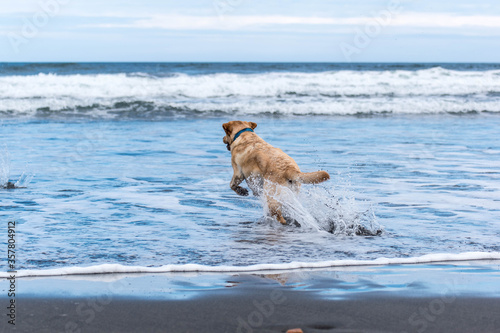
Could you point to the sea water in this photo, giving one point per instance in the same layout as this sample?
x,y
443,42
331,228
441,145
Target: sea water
x,y
121,167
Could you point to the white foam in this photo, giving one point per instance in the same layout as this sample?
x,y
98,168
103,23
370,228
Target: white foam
x,y
433,90
117,268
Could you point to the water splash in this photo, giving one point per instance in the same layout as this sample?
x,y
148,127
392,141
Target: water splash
x,y
4,166
326,208
23,180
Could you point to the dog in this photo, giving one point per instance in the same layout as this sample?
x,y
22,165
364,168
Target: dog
x,y
264,167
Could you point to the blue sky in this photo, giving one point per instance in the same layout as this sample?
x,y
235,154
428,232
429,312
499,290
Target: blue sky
x,y
250,30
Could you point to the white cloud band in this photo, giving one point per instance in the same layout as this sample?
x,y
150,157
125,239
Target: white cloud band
x,y
418,20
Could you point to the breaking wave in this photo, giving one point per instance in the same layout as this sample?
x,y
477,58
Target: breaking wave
x,y
341,92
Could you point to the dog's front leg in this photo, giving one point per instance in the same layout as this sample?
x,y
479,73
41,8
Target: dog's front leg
x,y
236,181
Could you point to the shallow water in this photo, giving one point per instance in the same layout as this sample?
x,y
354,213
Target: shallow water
x,y
124,163
154,193
459,279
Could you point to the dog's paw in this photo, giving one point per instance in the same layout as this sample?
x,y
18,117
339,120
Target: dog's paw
x,y
242,191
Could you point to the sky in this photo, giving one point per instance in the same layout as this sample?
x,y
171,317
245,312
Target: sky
x,y
249,30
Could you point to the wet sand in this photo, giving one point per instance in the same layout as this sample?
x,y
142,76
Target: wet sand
x,y
460,297
251,311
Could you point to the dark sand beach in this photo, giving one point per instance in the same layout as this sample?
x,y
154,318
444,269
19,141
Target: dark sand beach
x,y
457,297
225,312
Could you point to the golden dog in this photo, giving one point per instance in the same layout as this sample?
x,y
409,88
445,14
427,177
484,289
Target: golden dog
x,y
263,166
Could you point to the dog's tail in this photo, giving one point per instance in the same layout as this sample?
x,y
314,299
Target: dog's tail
x,y
313,177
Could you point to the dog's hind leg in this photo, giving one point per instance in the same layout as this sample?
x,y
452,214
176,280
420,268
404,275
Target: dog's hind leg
x,y
275,210
273,205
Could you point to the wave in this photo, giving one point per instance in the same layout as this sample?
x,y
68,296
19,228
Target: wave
x,y
343,92
117,268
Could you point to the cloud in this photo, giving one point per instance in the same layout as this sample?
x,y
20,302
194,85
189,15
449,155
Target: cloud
x,y
431,20
184,22
232,22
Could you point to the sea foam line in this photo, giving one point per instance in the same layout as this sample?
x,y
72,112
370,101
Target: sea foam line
x,y
118,268
345,92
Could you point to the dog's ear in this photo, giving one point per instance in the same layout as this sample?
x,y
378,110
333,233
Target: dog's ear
x,y
227,128
252,125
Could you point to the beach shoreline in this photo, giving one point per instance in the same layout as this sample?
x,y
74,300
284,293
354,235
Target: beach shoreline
x,y
444,297
122,218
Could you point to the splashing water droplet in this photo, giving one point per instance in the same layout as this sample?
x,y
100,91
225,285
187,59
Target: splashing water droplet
x,y
23,180
4,166
316,208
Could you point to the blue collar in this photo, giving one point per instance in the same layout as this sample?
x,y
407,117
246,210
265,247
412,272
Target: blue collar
x,y
239,133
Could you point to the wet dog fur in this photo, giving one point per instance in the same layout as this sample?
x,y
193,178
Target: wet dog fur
x,y
263,166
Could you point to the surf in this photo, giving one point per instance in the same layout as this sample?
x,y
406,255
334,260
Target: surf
x,y
342,92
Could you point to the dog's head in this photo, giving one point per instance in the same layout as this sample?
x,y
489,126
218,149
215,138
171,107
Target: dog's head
x,y
233,127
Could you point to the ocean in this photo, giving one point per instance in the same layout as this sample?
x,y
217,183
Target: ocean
x,y
120,167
